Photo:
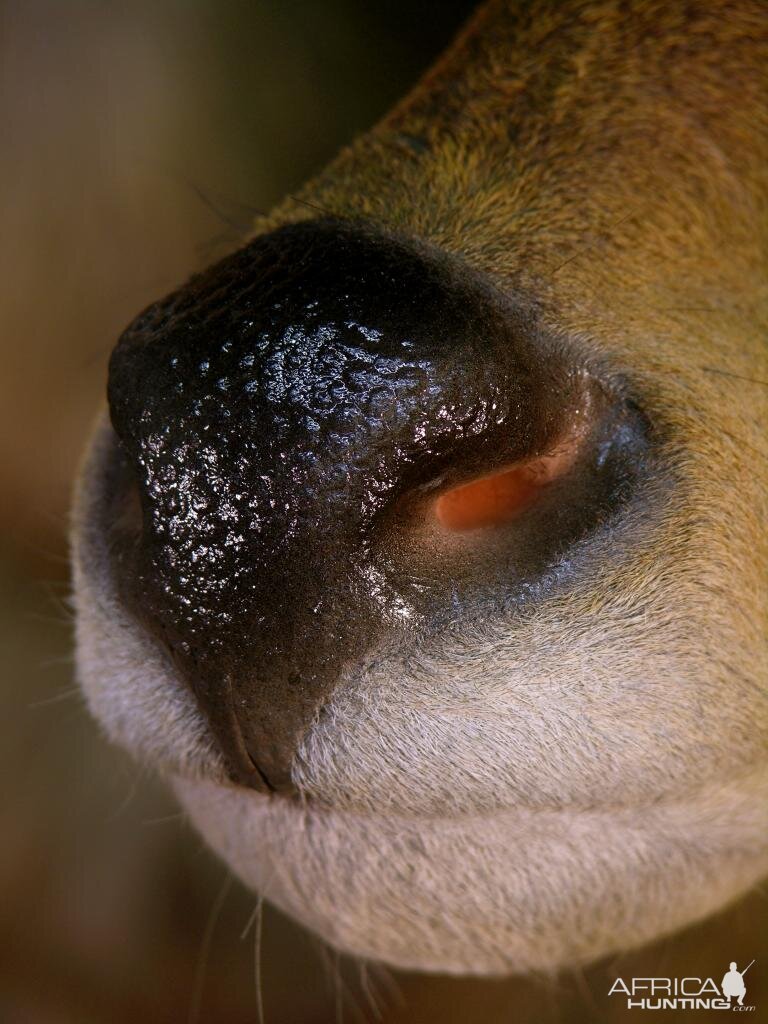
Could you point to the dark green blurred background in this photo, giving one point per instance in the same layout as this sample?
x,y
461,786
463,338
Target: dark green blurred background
x,y
136,140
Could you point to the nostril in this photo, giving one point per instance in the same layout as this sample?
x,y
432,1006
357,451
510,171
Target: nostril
x,y
500,497
491,500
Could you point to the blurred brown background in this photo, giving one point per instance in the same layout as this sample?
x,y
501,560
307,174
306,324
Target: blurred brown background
x,y
136,140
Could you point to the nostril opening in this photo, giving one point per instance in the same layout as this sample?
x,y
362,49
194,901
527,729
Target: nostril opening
x,y
500,497
489,501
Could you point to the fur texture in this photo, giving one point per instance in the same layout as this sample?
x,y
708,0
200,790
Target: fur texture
x,y
540,789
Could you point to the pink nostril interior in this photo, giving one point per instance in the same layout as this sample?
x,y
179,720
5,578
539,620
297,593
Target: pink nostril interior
x,y
499,497
488,501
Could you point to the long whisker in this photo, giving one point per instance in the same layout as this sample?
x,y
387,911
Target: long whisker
x,y
195,1002
736,376
584,246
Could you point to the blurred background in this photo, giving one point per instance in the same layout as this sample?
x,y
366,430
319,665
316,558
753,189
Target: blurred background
x,y
137,139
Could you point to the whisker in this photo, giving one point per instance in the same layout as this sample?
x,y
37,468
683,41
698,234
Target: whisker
x,y
257,976
586,245
164,818
59,603
216,210
587,996
367,990
52,620
313,206
331,960
387,980
136,779
338,989
204,953
736,376
56,661
57,698
256,919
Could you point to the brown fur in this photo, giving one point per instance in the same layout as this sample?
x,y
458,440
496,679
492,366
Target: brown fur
x,y
608,160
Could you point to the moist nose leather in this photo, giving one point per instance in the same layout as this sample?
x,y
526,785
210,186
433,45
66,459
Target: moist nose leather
x,y
270,413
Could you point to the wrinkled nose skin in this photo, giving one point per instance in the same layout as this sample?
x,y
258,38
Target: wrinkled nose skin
x,y
271,415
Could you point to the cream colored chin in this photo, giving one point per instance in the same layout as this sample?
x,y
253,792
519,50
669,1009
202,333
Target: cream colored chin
x,y
503,893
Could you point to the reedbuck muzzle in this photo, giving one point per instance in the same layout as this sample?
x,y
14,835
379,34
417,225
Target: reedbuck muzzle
x,y
424,547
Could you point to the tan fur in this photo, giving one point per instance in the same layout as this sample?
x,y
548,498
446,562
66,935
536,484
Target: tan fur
x,y
542,792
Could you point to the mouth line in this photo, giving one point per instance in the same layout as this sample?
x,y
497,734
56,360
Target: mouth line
x,y
302,804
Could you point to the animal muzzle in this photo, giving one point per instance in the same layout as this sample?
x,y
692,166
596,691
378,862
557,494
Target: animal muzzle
x,y
335,438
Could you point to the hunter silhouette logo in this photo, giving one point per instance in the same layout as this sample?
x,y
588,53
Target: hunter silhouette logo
x,y
690,993
733,983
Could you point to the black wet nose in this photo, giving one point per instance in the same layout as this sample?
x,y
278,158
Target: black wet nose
x,y
272,413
